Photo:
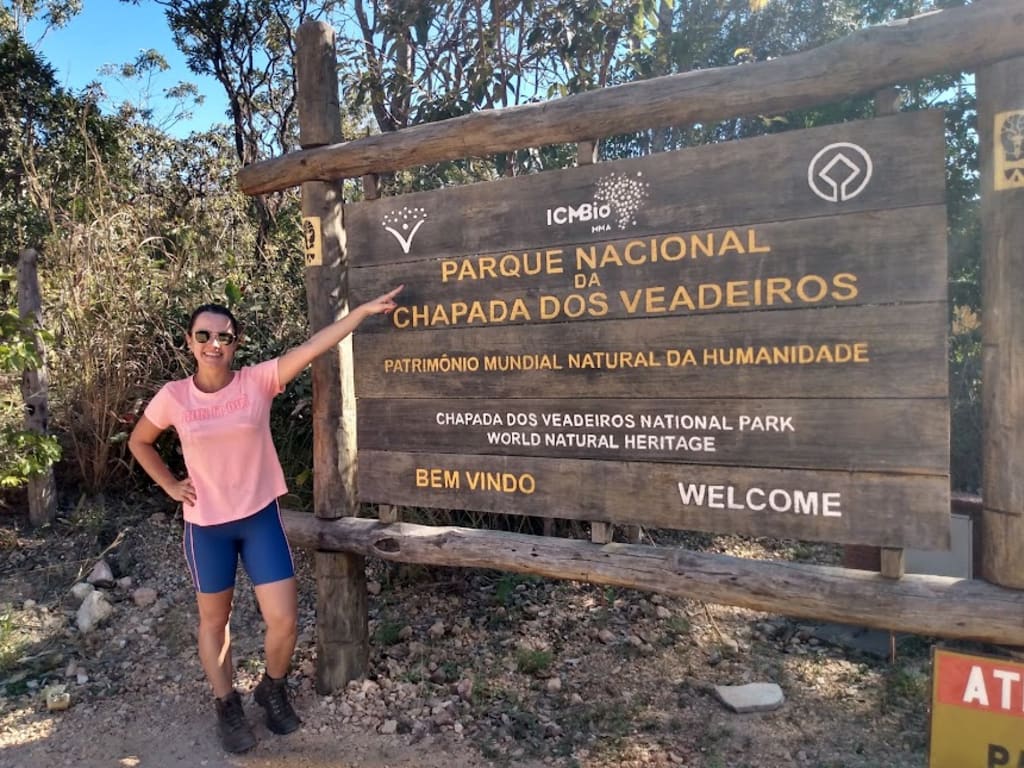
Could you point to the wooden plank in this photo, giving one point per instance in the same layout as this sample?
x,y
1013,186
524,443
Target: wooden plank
x,y
841,507
901,353
756,180
884,435
927,605
1001,134
867,258
952,40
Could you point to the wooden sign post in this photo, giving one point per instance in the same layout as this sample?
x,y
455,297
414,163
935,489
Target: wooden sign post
x,y
342,630
1001,140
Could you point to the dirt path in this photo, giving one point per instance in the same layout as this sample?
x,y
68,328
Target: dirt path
x,y
179,735
467,669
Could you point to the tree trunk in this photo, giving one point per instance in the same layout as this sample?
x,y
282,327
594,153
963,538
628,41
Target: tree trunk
x,y
42,492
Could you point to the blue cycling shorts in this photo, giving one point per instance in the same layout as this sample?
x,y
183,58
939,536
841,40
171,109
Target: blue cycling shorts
x,y
212,551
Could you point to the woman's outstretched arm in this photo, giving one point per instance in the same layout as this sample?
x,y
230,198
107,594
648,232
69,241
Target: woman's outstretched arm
x,y
295,360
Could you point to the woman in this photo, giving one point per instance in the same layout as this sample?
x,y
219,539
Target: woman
x,y
229,498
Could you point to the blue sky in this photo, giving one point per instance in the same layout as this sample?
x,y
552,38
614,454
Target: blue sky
x,y
112,32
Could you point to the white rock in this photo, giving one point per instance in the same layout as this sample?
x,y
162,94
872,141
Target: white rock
x,y
752,697
101,574
389,727
81,589
553,684
93,610
144,596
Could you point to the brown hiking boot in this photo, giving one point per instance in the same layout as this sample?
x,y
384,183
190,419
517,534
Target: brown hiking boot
x,y
234,731
272,695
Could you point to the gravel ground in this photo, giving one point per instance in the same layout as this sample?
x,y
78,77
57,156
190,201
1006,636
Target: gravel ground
x,y
468,668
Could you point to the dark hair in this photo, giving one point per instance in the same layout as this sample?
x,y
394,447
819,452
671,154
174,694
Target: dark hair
x,y
217,309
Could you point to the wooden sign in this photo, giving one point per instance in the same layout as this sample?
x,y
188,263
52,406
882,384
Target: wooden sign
x,y
977,716
745,338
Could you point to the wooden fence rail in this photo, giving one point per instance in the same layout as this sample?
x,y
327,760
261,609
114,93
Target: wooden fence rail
x,y
927,605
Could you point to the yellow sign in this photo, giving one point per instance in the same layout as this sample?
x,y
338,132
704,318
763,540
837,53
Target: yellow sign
x,y
1008,150
977,712
312,241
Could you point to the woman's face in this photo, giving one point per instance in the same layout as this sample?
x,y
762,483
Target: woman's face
x,y
213,341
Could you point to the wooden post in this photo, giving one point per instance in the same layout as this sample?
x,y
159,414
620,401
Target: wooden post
x,y
342,629
42,492
371,186
892,561
1001,139
387,513
600,533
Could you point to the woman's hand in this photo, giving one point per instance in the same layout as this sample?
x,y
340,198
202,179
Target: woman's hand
x,y
382,304
292,362
183,491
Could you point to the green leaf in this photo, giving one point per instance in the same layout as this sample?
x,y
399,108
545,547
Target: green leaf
x,y
233,293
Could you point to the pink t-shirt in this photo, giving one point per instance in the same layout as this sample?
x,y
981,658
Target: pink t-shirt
x,y
225,439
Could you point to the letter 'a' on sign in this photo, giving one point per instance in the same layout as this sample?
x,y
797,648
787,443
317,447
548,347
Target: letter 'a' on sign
x,y
977,711
1008,165
312,241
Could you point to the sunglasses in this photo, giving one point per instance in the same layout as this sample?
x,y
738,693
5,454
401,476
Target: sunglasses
x,y
225,338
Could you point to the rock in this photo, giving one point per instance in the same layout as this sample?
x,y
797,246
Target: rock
x,y
388,727
93,610
662,612
443,716
436,629
101,575
373,587
464,688
553,684
81,589
28,605
144,596
125,583
606,636
730,644
752,697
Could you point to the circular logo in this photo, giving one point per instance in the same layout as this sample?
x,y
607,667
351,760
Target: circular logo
x,y
839,172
